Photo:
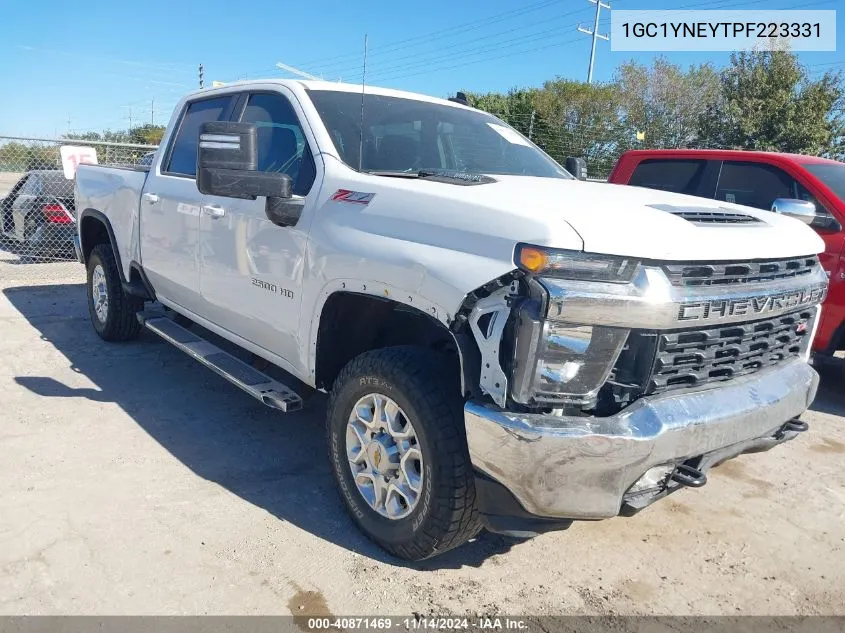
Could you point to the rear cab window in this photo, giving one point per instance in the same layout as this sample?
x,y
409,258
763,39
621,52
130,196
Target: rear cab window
x,y
676,175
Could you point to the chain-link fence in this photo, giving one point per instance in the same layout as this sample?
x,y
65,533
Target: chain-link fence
x,y
600,143
37,213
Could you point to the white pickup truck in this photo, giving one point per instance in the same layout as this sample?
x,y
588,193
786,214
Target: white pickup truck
x,y
504,346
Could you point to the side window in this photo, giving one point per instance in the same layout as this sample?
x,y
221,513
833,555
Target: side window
x,y
282,146
801,193
680,176
183,156
754,184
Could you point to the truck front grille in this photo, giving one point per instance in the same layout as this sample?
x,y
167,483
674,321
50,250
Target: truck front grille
x,y
657,362
731,273
691,358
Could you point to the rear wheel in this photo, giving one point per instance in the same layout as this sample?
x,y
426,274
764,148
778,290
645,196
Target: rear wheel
x,y
399,452
112,311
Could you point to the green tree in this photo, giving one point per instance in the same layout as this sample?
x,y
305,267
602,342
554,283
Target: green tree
x,y
15,156
664,102
146,134
516,106
579,119
769,101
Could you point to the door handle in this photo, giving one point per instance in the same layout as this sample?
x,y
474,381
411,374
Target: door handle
x,y
214,211
151,198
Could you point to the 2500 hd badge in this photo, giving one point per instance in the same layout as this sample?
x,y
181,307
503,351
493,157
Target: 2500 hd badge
x,y
266,285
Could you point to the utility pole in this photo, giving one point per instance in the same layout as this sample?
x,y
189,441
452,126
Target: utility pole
x,y
594,33
201,77
129,108
152,112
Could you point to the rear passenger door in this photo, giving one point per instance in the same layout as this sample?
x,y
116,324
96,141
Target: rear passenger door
x,y
692,176
251,269
170,208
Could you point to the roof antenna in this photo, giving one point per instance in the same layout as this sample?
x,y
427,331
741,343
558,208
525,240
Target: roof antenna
x,y
361,130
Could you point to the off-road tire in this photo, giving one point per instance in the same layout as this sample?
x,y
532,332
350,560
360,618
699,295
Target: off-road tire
x,y
426,388
121,322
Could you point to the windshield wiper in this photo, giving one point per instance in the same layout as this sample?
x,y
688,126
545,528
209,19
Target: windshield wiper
x,y
393,174
438,175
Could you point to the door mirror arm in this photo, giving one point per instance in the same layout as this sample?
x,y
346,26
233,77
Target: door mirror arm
x,y
284,211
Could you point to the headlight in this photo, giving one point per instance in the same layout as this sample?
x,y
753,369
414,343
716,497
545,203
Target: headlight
x,y
576,265
556,362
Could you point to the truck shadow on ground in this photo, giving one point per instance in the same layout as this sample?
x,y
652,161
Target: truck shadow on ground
x,y
277,462
831,395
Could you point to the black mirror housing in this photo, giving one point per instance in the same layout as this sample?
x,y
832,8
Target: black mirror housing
x,y
577,167
224,145
233,183
227,164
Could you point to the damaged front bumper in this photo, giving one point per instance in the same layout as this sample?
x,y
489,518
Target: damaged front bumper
x,y
561,467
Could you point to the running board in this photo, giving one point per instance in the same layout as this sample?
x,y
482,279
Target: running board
x,y
257,384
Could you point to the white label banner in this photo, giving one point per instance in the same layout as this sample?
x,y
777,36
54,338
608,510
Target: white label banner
x,y
667,30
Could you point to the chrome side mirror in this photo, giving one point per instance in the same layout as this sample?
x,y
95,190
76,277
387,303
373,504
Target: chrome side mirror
x,y
798,209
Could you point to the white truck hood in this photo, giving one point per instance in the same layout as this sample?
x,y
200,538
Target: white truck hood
x,y
620,220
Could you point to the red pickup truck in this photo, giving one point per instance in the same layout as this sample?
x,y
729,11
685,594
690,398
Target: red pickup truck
x,y
763,180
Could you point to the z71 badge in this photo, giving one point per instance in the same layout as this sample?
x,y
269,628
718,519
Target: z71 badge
x,y
353,197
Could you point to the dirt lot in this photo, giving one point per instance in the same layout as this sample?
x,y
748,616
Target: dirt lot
x,y
135,481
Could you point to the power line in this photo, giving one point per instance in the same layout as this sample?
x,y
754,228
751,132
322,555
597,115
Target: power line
x,y
472,52
438,49
439,34
478,61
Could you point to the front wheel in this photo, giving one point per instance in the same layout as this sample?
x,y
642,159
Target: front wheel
x,y
399,453
113,311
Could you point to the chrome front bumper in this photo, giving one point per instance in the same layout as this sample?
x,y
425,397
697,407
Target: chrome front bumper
x,y
582,467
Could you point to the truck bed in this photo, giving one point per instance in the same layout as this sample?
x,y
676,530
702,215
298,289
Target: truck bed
x,y
116,193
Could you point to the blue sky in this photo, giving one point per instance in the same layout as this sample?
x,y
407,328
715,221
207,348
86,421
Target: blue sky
x,y
90,64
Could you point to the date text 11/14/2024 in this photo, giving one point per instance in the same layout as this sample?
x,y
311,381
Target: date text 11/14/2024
x,y
418,623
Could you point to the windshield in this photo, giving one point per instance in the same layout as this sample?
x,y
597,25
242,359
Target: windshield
x,y
831,174
410,136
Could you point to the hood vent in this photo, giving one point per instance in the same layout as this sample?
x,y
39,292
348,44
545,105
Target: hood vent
x,y
707,215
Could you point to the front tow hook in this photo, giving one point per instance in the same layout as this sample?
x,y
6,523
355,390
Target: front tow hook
x,y
794,426
799,426
688,476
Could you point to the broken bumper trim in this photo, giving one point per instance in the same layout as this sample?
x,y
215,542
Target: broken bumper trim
x,y
582,467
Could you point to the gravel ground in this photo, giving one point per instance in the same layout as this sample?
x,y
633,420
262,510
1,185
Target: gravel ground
x,y
136,482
